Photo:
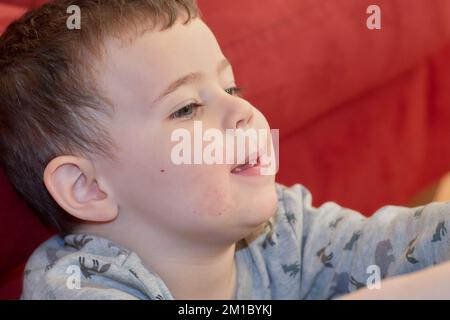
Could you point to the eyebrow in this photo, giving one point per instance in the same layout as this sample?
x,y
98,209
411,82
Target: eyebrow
x,y
189,79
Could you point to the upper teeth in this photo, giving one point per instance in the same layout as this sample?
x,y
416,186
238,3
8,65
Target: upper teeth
x,y
245,165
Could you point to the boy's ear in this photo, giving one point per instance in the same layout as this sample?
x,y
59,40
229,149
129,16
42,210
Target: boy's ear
x,y
72,183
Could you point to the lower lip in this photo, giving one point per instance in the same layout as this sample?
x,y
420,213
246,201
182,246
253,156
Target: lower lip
x,y
252,171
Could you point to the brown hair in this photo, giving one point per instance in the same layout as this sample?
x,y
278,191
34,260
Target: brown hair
x,y
49,102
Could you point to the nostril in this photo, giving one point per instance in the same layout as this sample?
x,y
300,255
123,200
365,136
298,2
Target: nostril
x,y
240,124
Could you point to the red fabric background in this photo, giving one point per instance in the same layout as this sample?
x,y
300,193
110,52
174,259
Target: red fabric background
x,y
362,114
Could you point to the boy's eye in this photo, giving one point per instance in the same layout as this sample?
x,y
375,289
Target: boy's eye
x,y
234,91
188,111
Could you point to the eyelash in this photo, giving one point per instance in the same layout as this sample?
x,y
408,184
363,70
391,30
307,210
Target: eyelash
x,y
235,91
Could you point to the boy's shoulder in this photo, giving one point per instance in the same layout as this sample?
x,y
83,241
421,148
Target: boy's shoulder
x,y
88,267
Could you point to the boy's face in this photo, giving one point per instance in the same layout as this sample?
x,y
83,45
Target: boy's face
x,y
196,202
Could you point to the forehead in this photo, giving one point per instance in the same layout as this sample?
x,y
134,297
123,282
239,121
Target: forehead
x,y
159,56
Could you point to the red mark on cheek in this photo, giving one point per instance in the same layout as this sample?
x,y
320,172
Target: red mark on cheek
x,y
162,170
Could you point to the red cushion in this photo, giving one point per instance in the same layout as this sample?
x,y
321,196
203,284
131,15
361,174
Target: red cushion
x,y
11,283
24,3
21,231
378,149
304,57
9,13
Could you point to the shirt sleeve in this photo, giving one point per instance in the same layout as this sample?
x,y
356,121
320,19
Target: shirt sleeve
x,y
342,250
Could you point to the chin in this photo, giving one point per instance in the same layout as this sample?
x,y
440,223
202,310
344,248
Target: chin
x,y
262,206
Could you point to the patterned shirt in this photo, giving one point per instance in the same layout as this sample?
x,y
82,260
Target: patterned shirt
x,y
303,252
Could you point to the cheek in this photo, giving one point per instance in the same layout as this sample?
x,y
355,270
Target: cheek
x,y
204,189
199,190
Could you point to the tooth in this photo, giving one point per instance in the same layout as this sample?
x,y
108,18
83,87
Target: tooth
x,y
237,169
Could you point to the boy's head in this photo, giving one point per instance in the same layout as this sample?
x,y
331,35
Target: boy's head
x,y
86,126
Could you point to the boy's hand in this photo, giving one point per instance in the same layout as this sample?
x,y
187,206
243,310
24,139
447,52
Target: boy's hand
x,y
431,283
443,189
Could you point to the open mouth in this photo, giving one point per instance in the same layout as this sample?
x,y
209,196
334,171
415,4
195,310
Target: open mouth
x,y
248,165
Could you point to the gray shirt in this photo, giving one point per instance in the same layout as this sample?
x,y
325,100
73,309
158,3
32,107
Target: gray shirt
x,y
302,253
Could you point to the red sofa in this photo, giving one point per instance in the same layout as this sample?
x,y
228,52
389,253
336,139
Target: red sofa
x,y
363,115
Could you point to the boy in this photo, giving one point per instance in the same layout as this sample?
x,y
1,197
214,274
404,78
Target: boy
x,y
98,107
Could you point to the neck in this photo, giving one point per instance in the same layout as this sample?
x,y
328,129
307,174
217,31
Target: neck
x,y
190,270
209,276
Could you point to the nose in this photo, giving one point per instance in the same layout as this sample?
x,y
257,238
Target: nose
x,y
239,113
